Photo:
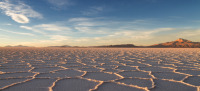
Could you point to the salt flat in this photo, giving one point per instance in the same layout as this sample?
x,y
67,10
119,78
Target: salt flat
x,y
101,69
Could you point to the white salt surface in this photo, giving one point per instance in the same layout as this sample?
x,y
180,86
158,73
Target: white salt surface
x,y
101,69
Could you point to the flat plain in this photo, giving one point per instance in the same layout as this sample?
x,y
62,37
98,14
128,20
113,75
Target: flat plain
x,y
99,69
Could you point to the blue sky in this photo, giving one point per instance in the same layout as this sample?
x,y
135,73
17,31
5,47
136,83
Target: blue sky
x,y
97,22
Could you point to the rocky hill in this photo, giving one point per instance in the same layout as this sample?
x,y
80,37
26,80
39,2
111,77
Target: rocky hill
x,y
179,43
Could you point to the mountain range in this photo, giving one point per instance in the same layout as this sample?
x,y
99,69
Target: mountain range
x,y
179,43
120,45
17,46
61,46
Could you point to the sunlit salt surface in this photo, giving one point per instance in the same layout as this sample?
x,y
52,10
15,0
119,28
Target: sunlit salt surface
x,y
101,69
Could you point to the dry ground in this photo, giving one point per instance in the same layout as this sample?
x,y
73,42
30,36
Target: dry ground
x,y
101,69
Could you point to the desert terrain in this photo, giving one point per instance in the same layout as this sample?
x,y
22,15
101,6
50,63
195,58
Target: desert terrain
x,y
99,69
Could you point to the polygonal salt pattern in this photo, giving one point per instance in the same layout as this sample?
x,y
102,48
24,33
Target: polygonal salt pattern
x,y
99,69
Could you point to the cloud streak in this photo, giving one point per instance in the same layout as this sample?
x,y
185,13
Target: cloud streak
x,y
93,11
44,29
52,27
33,29
60,4
20,33
189,33
19,12
59,37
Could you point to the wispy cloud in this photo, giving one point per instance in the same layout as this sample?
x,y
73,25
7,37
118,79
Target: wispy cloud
x,y
53,40
59,37
20,33
85,22
189,33
104,26
7,24
4,37
60,4
52,27
138,35
26,27
79,19
93,10
48,29
19,12
32,29
91,25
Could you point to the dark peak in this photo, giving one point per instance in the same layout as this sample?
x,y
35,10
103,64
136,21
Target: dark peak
x,y
120,45
183,40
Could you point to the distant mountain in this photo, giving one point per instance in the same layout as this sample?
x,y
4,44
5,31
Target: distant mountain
x,y
179,43
17,46
60,46
8,46
120,45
